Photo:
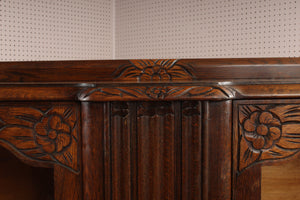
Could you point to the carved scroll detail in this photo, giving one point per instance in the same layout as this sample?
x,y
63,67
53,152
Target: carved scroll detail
x,y
154,70
155,108
120,109
190,108
156,92
267,132
45,136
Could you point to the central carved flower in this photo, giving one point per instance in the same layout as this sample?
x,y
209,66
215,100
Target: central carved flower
x,y
52,133
154,73
157,92
262,129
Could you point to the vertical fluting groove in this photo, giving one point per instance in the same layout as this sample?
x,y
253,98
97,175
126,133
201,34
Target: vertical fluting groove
x,y
145,157
158,135
186,129
170,143
107,152
166,162
116,132
205,140
234,148
199,143
121,136
156,143
191,150
133,150
178,150
143,131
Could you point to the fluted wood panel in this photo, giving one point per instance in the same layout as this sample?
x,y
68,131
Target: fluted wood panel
x,y
191,150
156,156
122,151
151,150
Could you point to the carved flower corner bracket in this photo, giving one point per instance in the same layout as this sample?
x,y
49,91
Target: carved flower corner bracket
x,y
267,132
42,136
154,70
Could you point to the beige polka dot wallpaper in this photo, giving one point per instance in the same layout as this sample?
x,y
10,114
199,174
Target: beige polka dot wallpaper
x,y
56,29
207,28
125,29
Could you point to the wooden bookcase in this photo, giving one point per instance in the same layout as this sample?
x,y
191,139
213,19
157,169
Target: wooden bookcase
x,y
185,129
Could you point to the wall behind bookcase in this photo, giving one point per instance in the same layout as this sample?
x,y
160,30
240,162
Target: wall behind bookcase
x,y
56,29
124,29
207,28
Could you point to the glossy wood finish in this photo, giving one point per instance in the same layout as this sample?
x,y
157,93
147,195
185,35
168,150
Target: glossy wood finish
x,y
121,70
191,148
266,132
67,185
42,134
127,80
152,129
278,179
151,150
93,150
217,150
46,135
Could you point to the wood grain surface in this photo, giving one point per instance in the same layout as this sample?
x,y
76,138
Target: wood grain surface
x,y
185,129
149,70
281,181
266,149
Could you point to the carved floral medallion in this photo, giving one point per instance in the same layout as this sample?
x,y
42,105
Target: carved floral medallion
x,y
154,70
267,132
43,135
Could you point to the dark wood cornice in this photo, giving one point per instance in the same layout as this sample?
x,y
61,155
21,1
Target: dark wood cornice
x,y
167,79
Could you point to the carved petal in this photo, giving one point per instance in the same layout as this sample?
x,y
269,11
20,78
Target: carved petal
x,y
275,133
249,124
266,118
41,127
46,144
55,122
249,136
247,155
165,76
269,143
259,142
62,141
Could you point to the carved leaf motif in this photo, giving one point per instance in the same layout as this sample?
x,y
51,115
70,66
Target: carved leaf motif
x,y
44,136
268,132
156,92
154,70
